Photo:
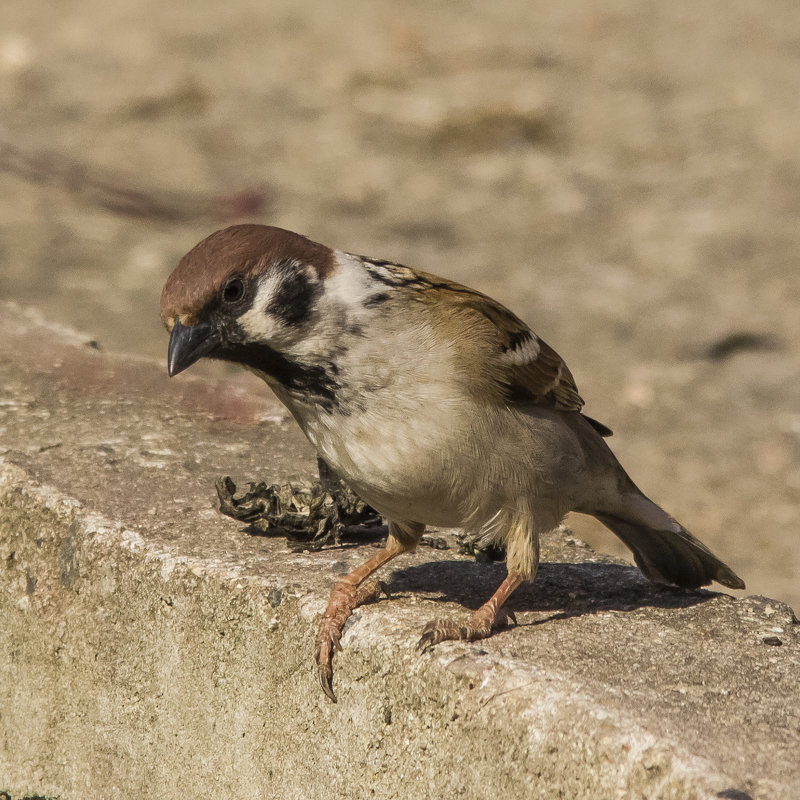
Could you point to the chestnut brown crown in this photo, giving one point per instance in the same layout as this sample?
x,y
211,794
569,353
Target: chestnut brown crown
x,y
243,250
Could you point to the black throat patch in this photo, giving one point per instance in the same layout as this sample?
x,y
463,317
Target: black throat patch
x,y
314,384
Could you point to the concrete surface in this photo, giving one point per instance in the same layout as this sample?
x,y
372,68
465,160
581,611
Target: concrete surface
x,y
151,647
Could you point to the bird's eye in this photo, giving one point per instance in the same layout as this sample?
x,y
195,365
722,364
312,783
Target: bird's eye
x,y
233,291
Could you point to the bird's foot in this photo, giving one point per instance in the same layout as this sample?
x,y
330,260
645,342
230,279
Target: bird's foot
x,y
481,625
345,597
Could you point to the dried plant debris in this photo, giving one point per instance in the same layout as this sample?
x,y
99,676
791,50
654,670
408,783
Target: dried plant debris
x,y
314,514
435,542
476,546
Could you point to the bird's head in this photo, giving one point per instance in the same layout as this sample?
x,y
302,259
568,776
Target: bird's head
x,y
248,293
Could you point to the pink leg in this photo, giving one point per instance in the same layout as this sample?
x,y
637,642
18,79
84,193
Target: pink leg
x,y
347,594
489,617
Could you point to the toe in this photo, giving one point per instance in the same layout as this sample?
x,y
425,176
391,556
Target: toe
x,y
369,592
480,626
326,680
344,598
509,615
439,630
327,641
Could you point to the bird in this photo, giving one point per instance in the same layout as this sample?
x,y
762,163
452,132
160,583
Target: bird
x,y
435,403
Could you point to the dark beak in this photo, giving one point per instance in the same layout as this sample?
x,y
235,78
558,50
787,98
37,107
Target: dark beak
x,y
189,343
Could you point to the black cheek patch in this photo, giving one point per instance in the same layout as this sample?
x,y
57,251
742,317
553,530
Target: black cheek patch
x,y
294,298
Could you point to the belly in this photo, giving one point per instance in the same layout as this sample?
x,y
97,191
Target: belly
x,y
401,468
435,470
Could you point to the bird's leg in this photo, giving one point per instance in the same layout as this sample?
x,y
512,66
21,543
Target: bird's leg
x,y
352,591
489,617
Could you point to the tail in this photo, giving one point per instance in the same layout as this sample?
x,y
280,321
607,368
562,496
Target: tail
x,y
663,549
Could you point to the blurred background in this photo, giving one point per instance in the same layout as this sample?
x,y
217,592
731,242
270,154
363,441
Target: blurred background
x,y
626,177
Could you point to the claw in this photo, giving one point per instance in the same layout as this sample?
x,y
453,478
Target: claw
x,y
487,619
424,643
349,592
480,626
371,591
329,634
326,681
327,640
426,637
437,631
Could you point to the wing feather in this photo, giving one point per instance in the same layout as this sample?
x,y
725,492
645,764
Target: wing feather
x,y
523,366
529,369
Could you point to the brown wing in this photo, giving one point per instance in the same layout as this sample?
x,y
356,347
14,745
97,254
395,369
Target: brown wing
x,y
526,369
530,370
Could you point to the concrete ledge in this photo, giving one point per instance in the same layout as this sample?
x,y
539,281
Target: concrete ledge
x,y
152,646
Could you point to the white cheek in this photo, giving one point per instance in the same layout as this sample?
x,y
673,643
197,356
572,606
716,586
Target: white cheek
x,y
257,323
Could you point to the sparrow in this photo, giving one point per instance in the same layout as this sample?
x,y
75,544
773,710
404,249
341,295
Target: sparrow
x,y
433,402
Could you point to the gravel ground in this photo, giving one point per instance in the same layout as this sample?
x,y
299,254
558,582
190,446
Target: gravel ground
x,y
626,178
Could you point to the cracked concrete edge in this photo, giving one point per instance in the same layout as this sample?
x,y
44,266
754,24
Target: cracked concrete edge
x,y
104,694
99,531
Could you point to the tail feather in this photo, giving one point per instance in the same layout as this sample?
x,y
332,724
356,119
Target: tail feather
x,y
669,553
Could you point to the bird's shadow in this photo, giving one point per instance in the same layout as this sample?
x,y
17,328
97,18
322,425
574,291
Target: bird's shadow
x,y
353,537
566,589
